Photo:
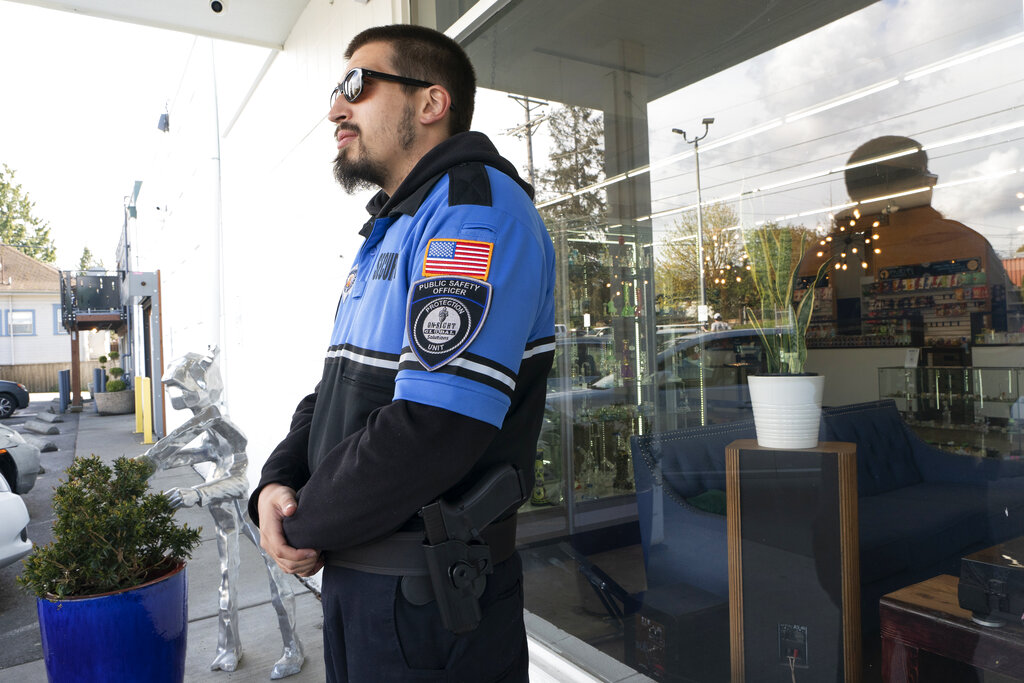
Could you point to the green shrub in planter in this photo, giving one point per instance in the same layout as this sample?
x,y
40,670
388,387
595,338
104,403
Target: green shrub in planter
x,y
116,385
110,532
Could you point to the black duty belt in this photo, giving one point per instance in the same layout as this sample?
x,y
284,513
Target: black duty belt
x,y
401,554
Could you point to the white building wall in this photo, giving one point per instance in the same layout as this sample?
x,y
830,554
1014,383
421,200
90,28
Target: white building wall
x,y
259,272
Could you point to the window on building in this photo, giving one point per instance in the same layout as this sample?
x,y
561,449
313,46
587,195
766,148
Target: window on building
x,y
21,323
58,323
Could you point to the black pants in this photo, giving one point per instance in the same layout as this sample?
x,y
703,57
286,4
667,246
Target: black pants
x,y
372,634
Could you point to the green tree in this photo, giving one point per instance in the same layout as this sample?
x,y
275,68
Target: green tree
x,y
577,160
578,225
19,228
89,261
727,285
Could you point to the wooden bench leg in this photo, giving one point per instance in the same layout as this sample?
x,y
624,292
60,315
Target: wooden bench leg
x,y
899,662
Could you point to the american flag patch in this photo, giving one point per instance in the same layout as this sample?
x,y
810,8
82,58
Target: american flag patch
x,y
458,257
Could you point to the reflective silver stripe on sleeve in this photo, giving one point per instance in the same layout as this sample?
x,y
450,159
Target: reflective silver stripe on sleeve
x,y
472,366
543,348
365,360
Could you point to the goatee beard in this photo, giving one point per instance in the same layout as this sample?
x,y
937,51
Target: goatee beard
x,y
358,174
363,173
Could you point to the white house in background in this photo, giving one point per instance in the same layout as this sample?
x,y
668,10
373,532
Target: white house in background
x,y
30,325
33,343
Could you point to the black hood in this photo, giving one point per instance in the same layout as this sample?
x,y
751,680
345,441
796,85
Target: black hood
x,y
460,148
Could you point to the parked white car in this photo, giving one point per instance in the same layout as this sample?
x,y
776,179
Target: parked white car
x,y
19,461
19,466
14,543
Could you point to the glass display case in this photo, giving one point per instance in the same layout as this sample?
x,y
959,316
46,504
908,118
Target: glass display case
x,y
966,410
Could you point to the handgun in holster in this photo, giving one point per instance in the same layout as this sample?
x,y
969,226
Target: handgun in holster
x,y
458,558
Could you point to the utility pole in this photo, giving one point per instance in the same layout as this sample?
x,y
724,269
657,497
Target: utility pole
x,y
526,130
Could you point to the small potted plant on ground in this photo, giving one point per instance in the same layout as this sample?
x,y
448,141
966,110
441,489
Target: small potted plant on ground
x,y
116,399
786,400
111,589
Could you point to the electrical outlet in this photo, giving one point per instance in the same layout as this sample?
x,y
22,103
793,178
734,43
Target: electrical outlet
x,y
793,643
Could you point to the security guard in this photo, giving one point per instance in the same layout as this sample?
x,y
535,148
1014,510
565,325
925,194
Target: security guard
x,y
435,374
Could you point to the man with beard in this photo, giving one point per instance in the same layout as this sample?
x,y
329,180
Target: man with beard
x,y
435,374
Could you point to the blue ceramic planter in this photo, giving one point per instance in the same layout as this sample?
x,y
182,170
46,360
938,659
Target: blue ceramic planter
x,y
134,635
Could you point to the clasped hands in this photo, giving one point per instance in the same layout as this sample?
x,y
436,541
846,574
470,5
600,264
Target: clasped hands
x,y
276,502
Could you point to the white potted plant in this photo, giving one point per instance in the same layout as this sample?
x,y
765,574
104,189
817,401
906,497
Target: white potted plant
x,y
786,400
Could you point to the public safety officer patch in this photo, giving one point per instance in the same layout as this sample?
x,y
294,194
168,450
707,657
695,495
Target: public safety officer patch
x,y
445,315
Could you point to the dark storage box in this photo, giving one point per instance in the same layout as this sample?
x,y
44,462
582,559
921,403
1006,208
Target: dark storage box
x,y
992,583
680,634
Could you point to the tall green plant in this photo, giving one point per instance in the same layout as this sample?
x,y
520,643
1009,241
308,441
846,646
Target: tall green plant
x,y
774,254
110,533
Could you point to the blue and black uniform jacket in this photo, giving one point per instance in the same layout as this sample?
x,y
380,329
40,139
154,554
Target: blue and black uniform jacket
x,y
438,362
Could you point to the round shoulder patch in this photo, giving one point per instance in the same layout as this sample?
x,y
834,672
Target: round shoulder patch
x,y
445,314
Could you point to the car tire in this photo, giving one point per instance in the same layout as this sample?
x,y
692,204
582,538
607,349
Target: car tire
x,y
8,404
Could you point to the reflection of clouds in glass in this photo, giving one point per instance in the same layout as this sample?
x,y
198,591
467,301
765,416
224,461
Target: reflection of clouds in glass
x,y
996,200
831,72
804,71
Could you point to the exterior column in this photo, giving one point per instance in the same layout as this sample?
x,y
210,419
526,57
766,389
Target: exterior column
x,y
76,372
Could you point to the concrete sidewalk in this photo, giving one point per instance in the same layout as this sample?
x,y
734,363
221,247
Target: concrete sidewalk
x,y
555,656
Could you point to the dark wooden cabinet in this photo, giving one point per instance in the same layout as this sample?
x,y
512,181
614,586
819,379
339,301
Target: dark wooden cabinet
x,y
794,574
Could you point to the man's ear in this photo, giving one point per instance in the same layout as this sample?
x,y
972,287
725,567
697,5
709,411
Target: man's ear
x,y
434,104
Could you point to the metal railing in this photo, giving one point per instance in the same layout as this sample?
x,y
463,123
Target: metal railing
x,y
90,292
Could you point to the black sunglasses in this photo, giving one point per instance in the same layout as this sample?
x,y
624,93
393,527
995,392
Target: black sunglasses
x,y
352,86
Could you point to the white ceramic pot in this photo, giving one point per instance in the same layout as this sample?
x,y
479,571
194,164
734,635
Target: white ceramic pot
x,y
787,409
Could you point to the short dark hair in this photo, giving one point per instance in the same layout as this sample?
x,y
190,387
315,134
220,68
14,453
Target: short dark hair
x,y
428,55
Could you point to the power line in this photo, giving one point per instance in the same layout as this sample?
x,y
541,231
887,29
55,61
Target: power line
x,y
778,150
837,101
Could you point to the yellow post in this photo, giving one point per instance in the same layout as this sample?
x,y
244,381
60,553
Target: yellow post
x,y
147,412
138,405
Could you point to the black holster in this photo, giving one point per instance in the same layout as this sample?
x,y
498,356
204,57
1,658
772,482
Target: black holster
x,y
457,556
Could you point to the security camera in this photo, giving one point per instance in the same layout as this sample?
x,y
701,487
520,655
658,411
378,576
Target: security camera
x,y
218,6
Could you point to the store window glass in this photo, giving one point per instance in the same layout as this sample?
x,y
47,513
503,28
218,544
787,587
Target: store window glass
x,y
885,138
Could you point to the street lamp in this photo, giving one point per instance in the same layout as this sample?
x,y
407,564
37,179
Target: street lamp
x,y
702,310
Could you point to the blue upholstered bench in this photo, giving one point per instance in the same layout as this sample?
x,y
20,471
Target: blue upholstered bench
x,y
920,508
